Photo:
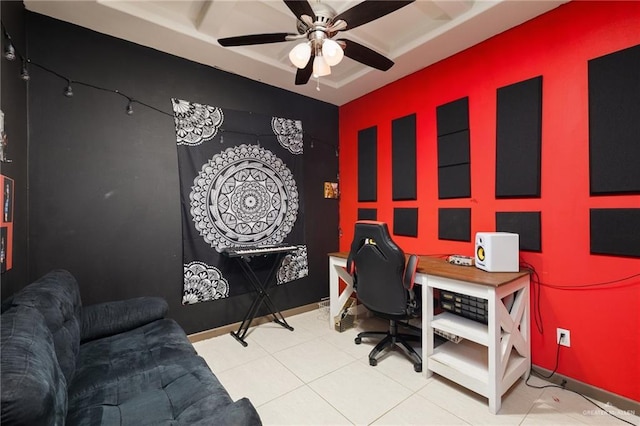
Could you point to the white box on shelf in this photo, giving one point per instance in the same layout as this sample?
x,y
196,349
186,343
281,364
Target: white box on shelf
x,y
497,251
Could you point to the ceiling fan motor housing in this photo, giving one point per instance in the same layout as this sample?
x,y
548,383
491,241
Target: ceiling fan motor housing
x,y
324,15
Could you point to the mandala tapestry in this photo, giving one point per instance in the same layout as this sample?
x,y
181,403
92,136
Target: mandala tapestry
x,y
240,187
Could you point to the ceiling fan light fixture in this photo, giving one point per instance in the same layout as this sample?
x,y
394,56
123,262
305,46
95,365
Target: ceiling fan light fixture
x,y
320,67
300,55
332,52
319,23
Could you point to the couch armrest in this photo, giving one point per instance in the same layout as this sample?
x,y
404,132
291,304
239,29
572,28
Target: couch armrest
x,y
106,319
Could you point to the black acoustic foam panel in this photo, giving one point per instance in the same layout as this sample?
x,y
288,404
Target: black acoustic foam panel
x,y
615,232
453,116
367,214
454,224
454,181
453,149
403,158
405,221
454,169
614,122
367,164
525,224
519,139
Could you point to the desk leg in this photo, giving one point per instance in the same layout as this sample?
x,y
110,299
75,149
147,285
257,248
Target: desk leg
x,y
427,330
525,328
336,299
494,353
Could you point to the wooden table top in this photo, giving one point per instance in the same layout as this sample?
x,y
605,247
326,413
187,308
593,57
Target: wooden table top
x,y
441,268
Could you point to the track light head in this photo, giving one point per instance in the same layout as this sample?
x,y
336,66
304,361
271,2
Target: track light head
x,y
24,73
9,51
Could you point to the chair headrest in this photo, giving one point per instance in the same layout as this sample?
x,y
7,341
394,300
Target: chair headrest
x,y
377,265
375,233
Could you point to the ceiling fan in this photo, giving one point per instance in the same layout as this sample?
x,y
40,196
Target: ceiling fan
x,y
318,23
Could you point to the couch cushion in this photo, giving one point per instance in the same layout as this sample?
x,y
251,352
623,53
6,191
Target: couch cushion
x,y
242,412
57,297
150,376
112,359
176,391
33,386
6,304
109,318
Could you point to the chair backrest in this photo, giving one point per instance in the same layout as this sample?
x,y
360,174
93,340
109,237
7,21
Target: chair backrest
x,y
377,265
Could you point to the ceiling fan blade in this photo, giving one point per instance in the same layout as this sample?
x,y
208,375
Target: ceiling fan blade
x,y
369,10
303,75
300,7
246,40
364,55
336,26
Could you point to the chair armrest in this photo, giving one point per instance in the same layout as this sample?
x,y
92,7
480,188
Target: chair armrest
x,y
408,280
410,269
107,319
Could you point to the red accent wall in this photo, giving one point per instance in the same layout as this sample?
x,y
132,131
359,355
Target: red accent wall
x,y
605,322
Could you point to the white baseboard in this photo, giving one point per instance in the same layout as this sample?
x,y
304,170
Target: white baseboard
x,y
590,391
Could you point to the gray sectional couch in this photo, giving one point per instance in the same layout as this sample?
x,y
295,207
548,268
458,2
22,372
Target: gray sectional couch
x,y
116,363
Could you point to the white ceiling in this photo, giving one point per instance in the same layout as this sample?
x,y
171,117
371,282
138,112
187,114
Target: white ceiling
x,y
414,36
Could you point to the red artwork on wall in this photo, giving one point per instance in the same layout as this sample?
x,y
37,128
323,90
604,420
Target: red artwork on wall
x,y
6,224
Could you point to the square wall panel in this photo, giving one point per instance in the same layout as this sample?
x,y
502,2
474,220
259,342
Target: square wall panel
x,y
405,221
615,232
454,224
367,214
525,224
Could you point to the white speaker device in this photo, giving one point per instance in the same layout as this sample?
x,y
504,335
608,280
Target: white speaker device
x,y
497,251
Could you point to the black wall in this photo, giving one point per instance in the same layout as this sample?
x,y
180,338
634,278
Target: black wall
x,y
14,105
104,200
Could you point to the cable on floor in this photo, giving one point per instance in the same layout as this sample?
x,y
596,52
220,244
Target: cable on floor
x,y
563,386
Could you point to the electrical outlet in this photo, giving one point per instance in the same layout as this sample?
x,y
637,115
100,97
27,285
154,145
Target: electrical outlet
x,y
563,337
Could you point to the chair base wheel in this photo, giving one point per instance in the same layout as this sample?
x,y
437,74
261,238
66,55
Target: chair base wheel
x,y
358,340
417,368
373,362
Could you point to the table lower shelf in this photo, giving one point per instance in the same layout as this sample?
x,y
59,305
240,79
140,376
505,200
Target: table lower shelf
x,y
467,363
463,327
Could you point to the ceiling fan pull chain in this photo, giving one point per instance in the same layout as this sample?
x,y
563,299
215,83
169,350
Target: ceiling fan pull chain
x,y
318,84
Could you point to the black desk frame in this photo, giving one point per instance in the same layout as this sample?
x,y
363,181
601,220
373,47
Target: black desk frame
x,y
261,295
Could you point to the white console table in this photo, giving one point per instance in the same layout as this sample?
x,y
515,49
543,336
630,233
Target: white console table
x,y
490,358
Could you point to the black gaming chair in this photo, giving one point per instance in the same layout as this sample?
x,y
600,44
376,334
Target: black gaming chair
x,y
385,286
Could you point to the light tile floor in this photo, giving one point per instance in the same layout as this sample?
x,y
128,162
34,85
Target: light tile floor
x,y
318,376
